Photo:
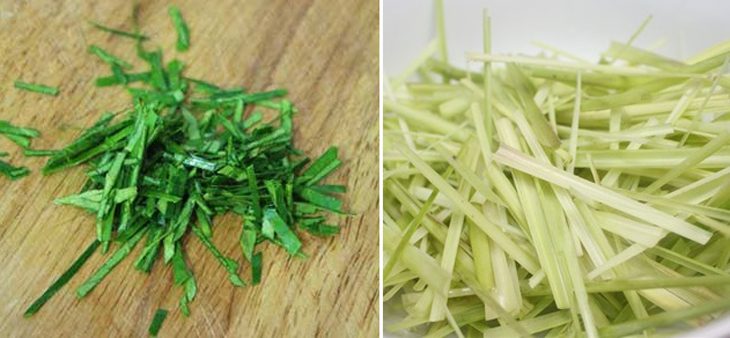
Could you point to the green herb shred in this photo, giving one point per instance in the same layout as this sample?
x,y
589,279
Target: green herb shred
x,y
21,136
157,321
62,280
37,88
184,153
183,33
114,31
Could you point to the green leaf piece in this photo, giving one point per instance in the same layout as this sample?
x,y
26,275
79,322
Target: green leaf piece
x,y
109,265
36,88
278,227
182,154
62,280
183,32
157,321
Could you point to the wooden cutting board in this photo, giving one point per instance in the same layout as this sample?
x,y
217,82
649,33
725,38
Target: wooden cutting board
x,y
325,52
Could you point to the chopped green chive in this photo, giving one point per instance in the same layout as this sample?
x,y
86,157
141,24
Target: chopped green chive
x,y
38,152
157,321
62,280
109,58
256,268
135,36
107,267
183,154
37,88
13,172
274,225
183,33
229,264
22,137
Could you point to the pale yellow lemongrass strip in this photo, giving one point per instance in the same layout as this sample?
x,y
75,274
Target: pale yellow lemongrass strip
x,y
536,211
633,37
525,258
513,158
422,194
574,217
401,79
576,66
704,129
683,103
533,325
614,126
551,112
637,134
713,51
481,250
559,52
691,161
421,263
574,124
623,256
506,281
536,279
428,156
640,111
426,119
454,107
445,138
650,158
573,269
441,31
448,257
575,274
630,230
715,82
475,181
482,136
406,133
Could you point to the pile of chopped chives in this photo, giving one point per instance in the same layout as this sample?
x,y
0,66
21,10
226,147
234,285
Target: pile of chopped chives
x,y
185,152
555,197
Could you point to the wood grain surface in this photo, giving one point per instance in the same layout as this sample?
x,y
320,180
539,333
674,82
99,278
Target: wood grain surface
x,y
325,52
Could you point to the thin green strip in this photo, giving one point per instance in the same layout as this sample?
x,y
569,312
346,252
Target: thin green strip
x,y
114,31
183,32
157,321
36,88
105,269
62,280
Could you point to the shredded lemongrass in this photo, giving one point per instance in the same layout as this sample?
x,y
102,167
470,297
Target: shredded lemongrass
x,y
551,196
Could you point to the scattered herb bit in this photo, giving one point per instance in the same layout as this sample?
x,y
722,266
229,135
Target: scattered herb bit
x,y
157,321
135,36
553,197
38,88
20,136
12,172
62,280
256,262
121,79
183,33
183,154
8,129
109,58
38,152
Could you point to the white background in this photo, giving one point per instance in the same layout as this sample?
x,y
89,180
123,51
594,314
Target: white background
x,y
584,28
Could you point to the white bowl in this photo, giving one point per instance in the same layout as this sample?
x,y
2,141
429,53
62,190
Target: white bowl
x,y
678,29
